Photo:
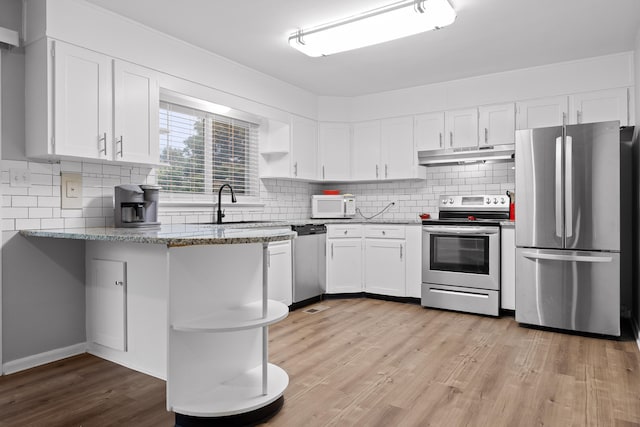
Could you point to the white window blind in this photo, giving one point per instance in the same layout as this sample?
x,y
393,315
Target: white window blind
x,y
204,151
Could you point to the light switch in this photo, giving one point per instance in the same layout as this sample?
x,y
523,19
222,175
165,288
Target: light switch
x,y
71,190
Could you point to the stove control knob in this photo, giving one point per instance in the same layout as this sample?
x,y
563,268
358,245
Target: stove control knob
x,y
450,201
444,201
488,201
495,201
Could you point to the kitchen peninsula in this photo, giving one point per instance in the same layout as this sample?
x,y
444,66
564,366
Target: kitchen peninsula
x,y
187,303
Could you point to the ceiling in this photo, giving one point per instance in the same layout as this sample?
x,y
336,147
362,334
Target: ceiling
x,y
488,36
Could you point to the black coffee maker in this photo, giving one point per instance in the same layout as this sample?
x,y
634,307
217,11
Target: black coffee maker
x,y
136,205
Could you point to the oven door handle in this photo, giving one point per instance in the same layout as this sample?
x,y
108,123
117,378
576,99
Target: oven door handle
x,y
482,231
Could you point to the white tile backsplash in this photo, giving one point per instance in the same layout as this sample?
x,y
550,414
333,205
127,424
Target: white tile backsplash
x,y
38,205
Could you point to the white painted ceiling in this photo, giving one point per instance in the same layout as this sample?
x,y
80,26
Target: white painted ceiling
x,y
488,36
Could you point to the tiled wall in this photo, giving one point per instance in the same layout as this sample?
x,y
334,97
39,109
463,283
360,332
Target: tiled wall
x,y
414,197
38,205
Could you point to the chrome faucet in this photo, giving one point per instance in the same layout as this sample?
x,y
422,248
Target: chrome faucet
x,y
233,200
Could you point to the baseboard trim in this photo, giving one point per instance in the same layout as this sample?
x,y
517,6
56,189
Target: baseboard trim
x,y
43,358
636,331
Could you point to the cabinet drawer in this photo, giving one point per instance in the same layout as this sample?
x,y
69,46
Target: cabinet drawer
x,y
384,231
344,230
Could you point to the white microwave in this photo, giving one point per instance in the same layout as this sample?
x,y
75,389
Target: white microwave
x,y
333,206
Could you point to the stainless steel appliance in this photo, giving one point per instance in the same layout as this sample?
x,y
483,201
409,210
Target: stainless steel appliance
x,y
461,254
309,263
136,205
333,206
573,185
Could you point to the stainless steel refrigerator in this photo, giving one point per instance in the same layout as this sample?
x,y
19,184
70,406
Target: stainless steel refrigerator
x,y
573,204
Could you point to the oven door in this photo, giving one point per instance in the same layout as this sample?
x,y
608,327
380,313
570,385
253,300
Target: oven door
x,y
467,256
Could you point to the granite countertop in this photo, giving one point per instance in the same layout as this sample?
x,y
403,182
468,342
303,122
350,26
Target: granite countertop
x,y
175,235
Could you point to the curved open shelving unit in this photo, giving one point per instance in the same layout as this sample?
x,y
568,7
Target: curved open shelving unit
x,y
248,316
236,396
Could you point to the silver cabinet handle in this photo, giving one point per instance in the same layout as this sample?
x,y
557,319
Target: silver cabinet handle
x,y
322,171
451,139
295,169
119,141
400,251
376,171
486,135
564,119
104,140
331,250
386,171
119,283
579,116
268,258
384,232
345,232
440,138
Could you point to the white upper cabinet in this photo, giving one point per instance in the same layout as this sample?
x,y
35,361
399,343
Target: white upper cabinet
x,y
87,105
543,112
365,155
497,124
461,128
398,156
304,148
334,146
600,106
136,110
82,103
428,131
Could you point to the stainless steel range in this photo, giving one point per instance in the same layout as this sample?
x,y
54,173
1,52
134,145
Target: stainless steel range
x,y
461,254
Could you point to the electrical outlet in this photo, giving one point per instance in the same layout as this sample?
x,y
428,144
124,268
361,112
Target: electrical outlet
x,y
71,190
20,177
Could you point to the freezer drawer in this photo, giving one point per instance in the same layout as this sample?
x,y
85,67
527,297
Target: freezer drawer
x,y
574,290
459,298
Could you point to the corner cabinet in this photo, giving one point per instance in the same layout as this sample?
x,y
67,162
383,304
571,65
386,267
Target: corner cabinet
x,y
84,104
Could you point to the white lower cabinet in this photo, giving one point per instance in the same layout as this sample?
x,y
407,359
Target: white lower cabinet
x,y
382,259
106,300
508,268
384,267
280,272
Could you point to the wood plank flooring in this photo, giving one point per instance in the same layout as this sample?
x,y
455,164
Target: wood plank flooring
x,y
366,362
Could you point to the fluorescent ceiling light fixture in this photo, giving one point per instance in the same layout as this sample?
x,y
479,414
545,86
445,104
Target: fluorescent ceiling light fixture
x,y
391,22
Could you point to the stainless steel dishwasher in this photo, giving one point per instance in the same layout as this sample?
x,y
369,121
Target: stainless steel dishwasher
x,y
309,263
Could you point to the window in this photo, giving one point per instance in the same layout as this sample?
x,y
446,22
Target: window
x,y
204,150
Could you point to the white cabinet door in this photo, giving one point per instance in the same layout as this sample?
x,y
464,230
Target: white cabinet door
x,y
429,131
461,128
82,102
544,112
344,266
599,106
365,154
497,124
136,122
334,148
508,269
398,154
304,148
280,272
107,304
384,269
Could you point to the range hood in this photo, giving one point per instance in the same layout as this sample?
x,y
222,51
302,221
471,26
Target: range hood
x,y
499,153
8,38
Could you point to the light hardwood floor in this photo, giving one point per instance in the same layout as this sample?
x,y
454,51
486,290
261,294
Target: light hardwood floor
x,y
366,362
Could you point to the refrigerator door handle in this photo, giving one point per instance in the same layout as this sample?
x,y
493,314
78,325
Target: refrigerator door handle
x,y
568,186
558,187
567,257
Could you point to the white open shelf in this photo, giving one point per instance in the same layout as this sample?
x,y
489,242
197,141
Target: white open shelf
x,y
236,396
247,316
